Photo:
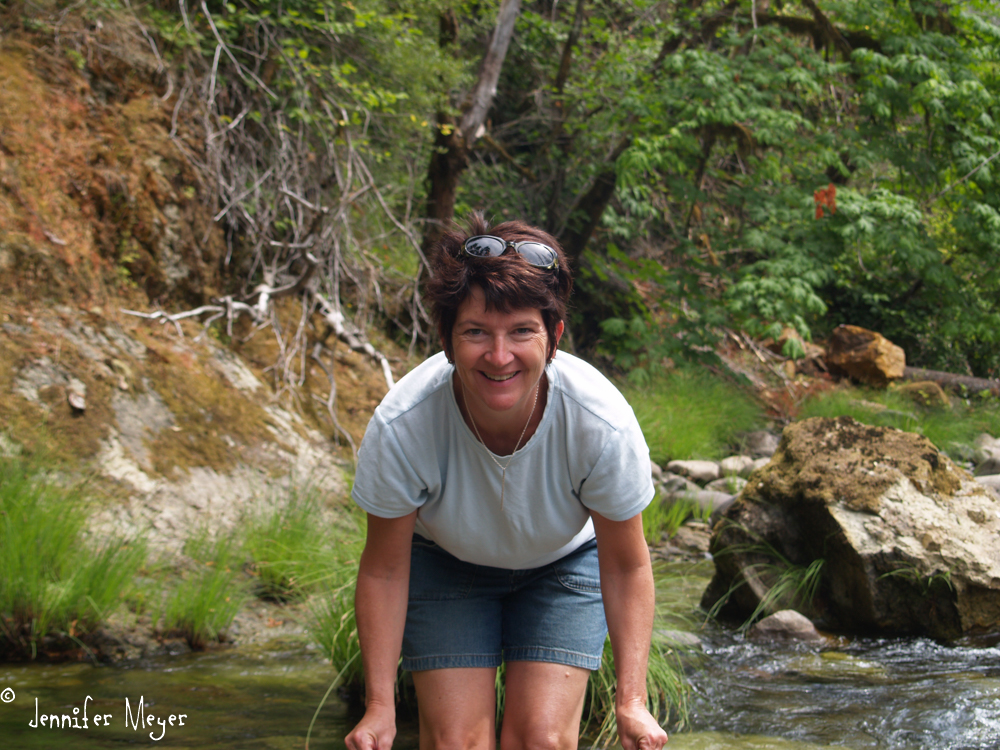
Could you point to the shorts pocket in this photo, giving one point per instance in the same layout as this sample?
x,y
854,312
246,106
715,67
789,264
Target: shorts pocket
x,y
436,575
579,570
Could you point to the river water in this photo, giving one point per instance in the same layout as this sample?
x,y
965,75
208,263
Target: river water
x,y
891,694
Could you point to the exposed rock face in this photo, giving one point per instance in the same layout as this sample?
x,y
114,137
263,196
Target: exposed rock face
x,y
865,355
909,541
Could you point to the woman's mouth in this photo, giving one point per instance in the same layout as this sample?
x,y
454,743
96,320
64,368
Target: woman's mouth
x,y
499,378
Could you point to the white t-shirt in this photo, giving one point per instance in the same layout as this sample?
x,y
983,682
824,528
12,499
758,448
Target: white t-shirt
x,y
588,453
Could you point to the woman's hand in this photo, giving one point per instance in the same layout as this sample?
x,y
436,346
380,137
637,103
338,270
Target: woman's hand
x,y
375,731
637,728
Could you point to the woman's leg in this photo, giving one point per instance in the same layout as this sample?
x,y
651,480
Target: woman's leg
x,y
543,704
457,708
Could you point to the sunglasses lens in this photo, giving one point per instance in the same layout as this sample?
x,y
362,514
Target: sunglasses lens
x,y
537,254
485,247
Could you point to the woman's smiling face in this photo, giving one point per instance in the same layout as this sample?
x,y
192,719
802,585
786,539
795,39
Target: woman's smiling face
x,y
500,357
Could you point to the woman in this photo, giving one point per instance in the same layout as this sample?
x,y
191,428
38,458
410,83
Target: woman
x,y
504,487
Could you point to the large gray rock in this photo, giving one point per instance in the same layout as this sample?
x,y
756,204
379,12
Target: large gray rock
x,y
907,541
699,471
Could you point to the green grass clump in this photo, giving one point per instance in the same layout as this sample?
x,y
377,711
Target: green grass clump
x,y
210,594
53,580
687,414
666,687
291,549
331,624
943,426
662,518
790,585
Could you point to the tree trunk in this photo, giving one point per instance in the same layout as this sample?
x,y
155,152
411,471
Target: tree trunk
x,y
454,140
589,209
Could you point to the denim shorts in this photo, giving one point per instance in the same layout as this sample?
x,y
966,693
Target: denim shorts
x,y
465,615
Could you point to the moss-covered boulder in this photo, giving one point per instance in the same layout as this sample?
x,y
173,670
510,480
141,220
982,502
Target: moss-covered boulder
x,y
892,536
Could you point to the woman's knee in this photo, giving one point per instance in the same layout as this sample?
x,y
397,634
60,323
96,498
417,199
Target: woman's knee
x,y
457,736
538,737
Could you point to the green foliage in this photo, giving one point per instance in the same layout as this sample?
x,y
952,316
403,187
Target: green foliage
x,y
291,550
211,591
54,579
688,414
925,583
661,519
330,623
666,687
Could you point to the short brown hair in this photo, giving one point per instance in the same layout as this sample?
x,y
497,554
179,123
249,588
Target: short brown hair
x,y
508,281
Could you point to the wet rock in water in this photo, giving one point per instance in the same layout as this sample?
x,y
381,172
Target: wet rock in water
x,y
786,625
761,443
735,465
864,355
907,539
699,471
680,639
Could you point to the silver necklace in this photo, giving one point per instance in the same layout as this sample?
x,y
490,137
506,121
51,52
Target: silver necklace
x,y
503,467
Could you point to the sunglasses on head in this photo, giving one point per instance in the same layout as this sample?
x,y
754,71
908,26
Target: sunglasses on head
x,y
488,246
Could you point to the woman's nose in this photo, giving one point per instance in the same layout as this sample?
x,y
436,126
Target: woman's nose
x,y
500,353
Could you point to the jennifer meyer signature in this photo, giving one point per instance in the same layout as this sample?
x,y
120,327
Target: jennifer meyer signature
x,y
136,714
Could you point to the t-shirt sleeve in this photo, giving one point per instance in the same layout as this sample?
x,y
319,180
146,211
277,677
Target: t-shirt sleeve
x,y
386,483
621,482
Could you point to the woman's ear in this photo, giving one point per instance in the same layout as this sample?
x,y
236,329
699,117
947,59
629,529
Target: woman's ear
x,y
560,327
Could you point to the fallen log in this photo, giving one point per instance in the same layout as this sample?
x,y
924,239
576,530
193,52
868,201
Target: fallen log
x,y
964,385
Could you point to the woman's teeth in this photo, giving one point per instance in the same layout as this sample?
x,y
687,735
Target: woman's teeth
x,y
499,378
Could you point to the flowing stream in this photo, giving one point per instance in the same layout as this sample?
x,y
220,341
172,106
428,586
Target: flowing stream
x,y
891,694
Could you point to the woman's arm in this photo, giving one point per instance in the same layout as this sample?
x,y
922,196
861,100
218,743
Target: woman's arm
x,y
380,608
629,603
